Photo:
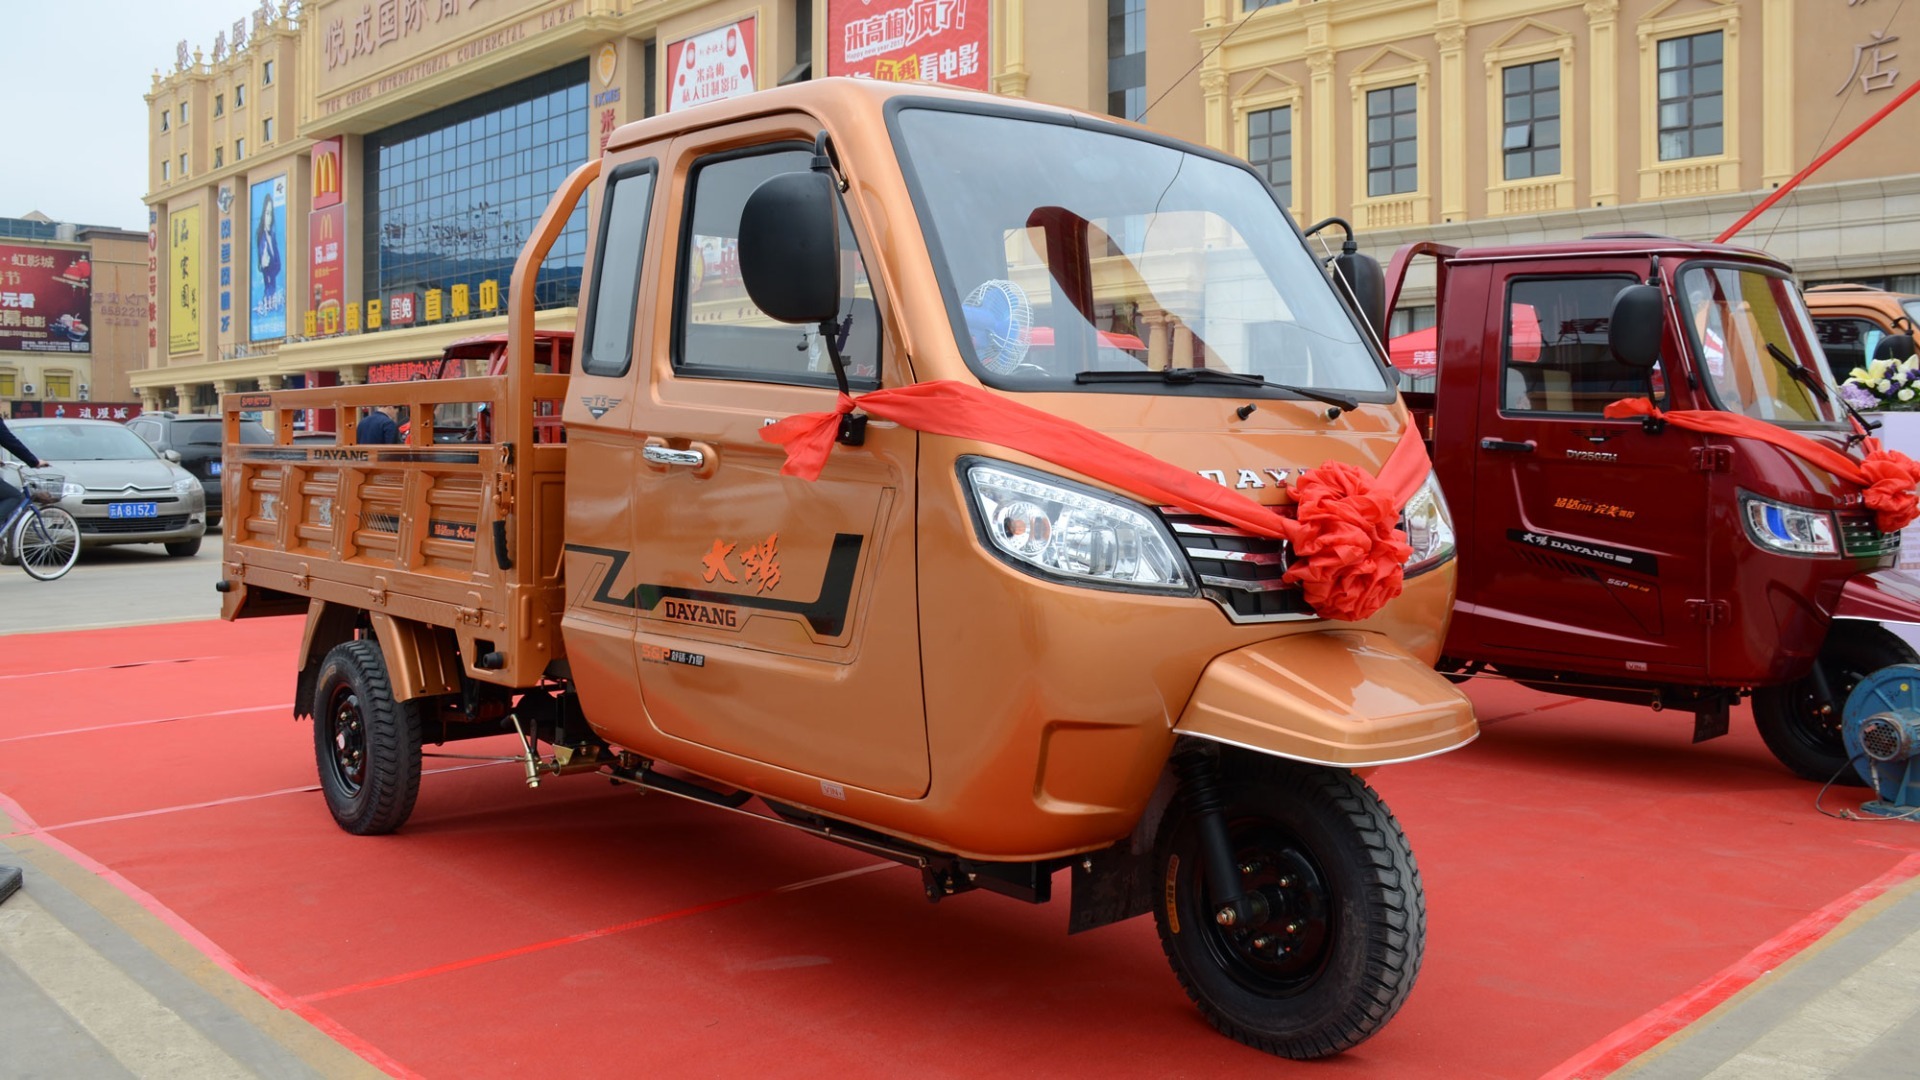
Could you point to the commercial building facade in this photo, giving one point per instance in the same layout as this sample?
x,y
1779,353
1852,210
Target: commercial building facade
x,y
337,195
73,307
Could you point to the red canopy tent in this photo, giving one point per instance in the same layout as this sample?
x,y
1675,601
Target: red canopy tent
x,y
1416,352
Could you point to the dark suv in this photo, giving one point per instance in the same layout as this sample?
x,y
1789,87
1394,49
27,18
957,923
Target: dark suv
x,y
197,440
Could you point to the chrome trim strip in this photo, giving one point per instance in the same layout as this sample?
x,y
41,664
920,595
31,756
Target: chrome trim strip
x,y
1255,558
1331,764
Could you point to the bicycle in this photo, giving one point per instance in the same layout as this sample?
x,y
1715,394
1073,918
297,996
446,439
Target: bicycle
x,y
43,537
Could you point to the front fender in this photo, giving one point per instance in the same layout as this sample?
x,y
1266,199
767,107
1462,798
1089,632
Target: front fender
x,y
1887,596
1346,698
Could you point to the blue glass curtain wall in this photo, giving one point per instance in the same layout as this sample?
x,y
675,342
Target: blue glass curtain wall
x,y
452,195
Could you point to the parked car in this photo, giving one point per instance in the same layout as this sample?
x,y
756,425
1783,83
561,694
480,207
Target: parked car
x,y
120,490
197,440
1851,319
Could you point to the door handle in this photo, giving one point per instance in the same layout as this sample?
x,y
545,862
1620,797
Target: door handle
x,y
667,455
1508,445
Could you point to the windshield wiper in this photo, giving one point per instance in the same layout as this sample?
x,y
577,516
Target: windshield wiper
x,y
1180,376
1812,382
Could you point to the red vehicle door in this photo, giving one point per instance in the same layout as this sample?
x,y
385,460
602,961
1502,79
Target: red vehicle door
x,y
1587,534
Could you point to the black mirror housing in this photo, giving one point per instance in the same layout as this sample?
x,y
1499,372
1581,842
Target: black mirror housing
x,y
1638,324
1365,283
790,247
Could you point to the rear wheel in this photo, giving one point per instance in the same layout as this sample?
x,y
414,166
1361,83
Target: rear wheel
x,y
47,544
1336,949
1800,721
366,744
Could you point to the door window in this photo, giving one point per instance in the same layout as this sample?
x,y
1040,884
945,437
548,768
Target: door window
x,y
616,271
718,330
1554,350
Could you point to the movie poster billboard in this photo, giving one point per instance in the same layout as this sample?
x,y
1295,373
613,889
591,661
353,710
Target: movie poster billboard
x,y
326,268
266,260
327,171
712,66
183,279
943,41
46,297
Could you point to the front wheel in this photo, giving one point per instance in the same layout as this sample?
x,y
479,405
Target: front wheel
x,y
366,744
47,543
184,549
1800,721
1344,921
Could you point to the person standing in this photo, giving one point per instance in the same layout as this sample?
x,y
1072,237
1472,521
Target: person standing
x,y
377,427
267,253
11,496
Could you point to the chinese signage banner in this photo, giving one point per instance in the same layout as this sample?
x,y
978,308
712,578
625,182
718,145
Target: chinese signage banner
x,y
712,66
326,173
326,269
943,41
267,317
99,410
45,299
183,266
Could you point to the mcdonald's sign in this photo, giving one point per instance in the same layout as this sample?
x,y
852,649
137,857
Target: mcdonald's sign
x,y
326,265
327,172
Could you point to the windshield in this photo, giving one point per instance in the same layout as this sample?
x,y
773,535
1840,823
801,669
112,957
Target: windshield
x,y
84,441
1064,250
1734,314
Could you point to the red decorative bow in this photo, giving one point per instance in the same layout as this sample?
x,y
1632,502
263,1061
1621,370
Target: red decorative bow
x,y
1348,553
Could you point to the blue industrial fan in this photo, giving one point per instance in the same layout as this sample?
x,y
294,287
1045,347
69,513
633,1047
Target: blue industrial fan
x,y
1881,727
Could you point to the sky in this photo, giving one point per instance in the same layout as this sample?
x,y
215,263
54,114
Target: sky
x,y
78,150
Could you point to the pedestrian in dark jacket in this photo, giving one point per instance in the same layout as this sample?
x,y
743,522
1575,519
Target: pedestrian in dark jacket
x,y
10,496
377,427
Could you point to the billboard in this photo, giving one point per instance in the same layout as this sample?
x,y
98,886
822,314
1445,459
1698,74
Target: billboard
x,y
46,297
266,262
712,66
943,41
326,268
327,164
183,272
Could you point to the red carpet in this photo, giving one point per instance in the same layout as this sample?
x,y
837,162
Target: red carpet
x,y
1592,880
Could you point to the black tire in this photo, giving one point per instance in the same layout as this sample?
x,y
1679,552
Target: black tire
x,y
184,549
367,745
1341,947
213,521
1802,727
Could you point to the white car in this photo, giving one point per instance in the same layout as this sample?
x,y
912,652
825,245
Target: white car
x,y
119,489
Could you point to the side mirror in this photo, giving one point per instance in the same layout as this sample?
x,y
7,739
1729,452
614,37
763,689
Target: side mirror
x,y
1365,283
1639,322
171,455
790,247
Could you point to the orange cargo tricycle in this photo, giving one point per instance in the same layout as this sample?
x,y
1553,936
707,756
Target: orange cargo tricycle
x,y
988,486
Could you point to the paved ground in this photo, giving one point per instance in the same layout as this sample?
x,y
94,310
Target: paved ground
x,y
93,983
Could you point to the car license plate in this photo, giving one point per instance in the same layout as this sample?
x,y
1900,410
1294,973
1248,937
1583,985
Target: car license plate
x,y
133,510
213,468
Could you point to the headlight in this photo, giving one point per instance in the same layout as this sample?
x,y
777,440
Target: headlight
x,y
185,484
1792,530
71,490
1072,533
1429,527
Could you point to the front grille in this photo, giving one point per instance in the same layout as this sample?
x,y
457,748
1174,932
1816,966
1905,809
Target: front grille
x,y
106,501
121,526
1238,570
1860,537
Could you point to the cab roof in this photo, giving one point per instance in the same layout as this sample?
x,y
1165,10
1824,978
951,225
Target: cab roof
x,y
1608,246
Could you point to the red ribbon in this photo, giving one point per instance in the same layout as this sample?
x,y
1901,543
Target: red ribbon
x,y
1349,555
1888,477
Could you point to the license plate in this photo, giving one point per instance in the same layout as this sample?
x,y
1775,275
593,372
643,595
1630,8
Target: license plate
x,y
133,510
213,468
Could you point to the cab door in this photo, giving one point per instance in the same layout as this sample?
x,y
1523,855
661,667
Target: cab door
x,y
1588,534
777,617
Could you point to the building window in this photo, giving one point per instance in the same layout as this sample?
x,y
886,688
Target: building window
x,y
183,165
239,95
1393,141
266,73
1692,102
166,171
219,104
1530,111
802,69
183,111
9,383
1256,5
452,195
239,149
266,130
1270,149
219,157
166,120
1127,58
59,385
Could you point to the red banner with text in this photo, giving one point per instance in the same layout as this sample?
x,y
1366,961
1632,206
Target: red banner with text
x,y
46,299
942,41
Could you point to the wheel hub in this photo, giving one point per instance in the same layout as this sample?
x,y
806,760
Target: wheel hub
x,y
1291,933
349,742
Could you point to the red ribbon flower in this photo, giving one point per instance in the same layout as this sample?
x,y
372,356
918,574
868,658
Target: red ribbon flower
x,y
1349,553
